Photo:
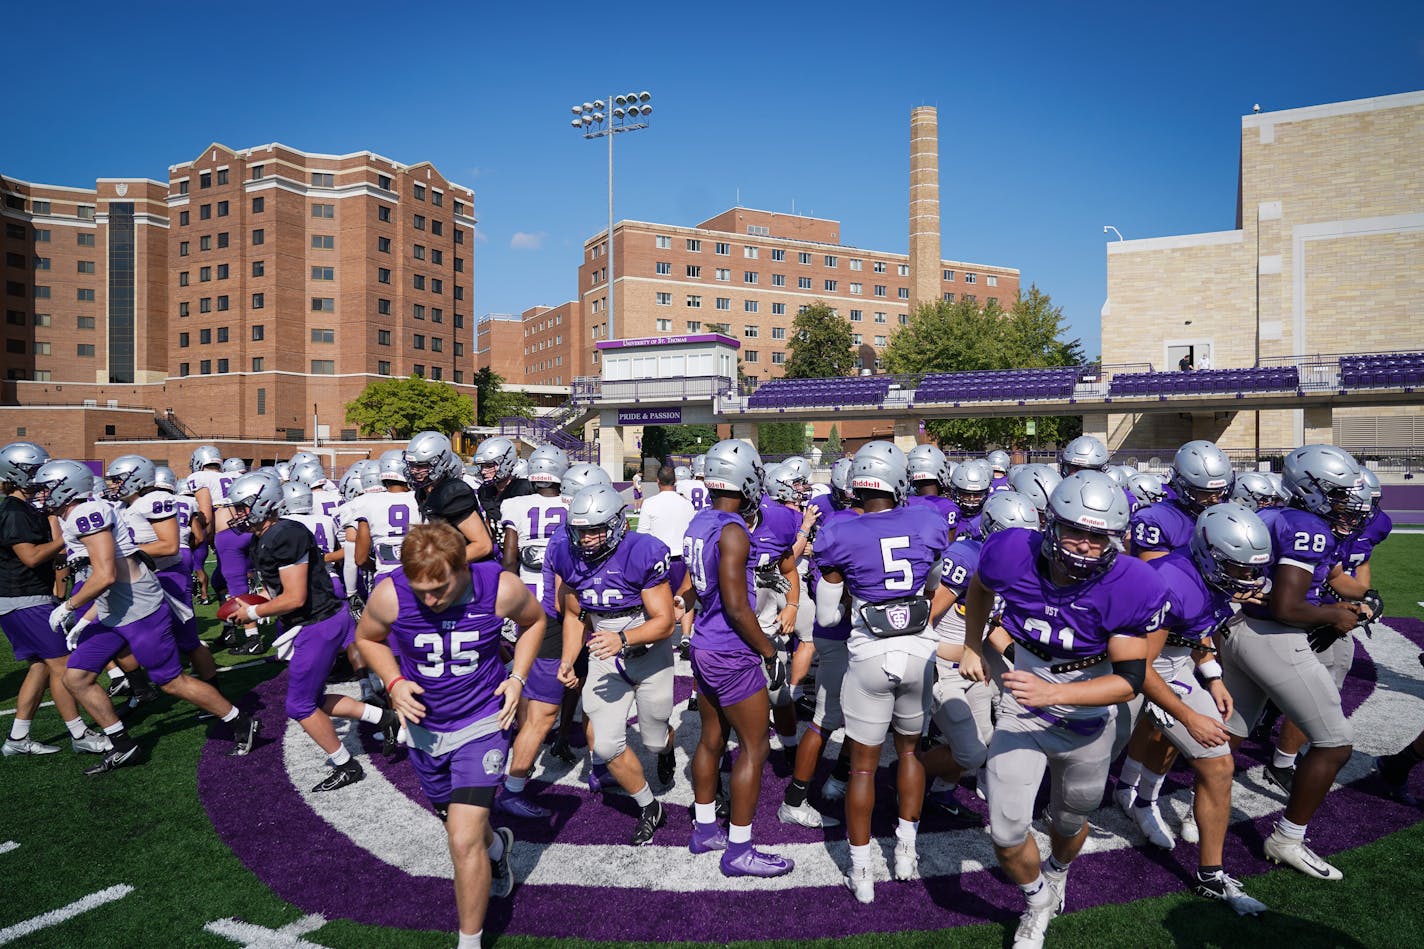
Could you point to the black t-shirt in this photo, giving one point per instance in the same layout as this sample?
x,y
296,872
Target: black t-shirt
x,y
451,501
22,524
284,544
491,498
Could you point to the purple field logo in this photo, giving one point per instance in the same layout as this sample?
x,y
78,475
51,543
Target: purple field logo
x,y
574,865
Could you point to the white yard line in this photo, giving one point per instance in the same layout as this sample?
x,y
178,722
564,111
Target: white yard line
x,y
9,845
56,916
253,936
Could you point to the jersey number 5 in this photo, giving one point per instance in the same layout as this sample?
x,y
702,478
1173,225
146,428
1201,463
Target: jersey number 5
x,y
892,564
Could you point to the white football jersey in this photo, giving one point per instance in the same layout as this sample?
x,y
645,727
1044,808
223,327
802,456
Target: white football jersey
x,y
328,536
389,516
142,512
325,503
218,484
135,592
534,519
184,507
695,491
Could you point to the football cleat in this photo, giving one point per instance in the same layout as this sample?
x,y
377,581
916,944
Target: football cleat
x,y
1295,853
560,749
340,776
652,817
1398,791
113,758
515,805
1149,820
746,861
804,815
907,861
244,736
142,695
1124,795
27,746
1191,833
692,703
1282,778
1219,886
707,837
253,645
945,803
981,784
834,789
1033,924
92,742
667,768
118,687
502,870
1058,879
390,732
228,637
859,881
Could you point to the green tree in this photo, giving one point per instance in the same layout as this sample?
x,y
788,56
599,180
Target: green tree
x,y
781,438
833,449
398,408
820,344
660,441
496,402
965,337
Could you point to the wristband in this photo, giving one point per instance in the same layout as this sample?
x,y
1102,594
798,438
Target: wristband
x,y
1209,670
803,533
392,684
514,675
623,638
252,613
794,606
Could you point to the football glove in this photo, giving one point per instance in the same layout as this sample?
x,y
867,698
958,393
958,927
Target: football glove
x,y
775,671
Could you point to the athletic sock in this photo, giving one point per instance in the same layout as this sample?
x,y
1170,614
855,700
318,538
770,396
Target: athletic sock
x,y
1208,873
1282,760
371,714
470,940
1037,893
860,856
514,785
791,740
1131,772
20,729
118,737
339,757
1289,830
1148,787
643,796
796,793
1054,866
704,813
232,714
77,728
906,830
841,770
496,848
739,833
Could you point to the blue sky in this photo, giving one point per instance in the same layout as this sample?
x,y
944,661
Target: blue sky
x,y
1055,118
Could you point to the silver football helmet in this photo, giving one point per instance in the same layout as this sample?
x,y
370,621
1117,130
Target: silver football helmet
x,y
391,469
521,469
880,466
19,461
927,463
429,458
1122,474
1201,475
1008,509
1254,490
682,473
781,483
1091,502
127,475
699,466
496,458
547,464
1036,482
969,485
1372,485
841,496
733,465
204,456
166,479
998,460
61,482
1084,453
1147,488
1232,548
234,466
255,498
305,457
296,498
309,473
582,476
1278,480
350,486
801,466
1322,479
371,480
284,470
597,520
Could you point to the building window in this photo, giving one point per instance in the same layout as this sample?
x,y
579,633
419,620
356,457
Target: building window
x,y
971,278
418,251
205,212
750,253
182,309
222,271
437,344
694,245
323,336
222,239
383,275
383,337
459,350
803,258
183,340
664,268
383,368
41,349
991,280
722,248
831,286
257,172
259,204
259,236
323,367
419,222
418,281
722,274
383,213
664,242
778,309
85,296
752,355
222,176
86,266
323,304
418,311
205,179
182,218
751,331
205,337
84,351
903,293
383,182
970,298
664,326
749,276
258,301
84,322
880,289
949,298
84,240
259,364
323,242
694,301
419,342
323,179
778,357
437,315
879,317
778,254
436,256
205,242
222,209
694,326
41,263
259,333
205,274
778,280
222,303
41,293
855,339
664,299
778,332
183,186
183,369
383,245
323,210
205,367
749,306
383,307
323,273
418,370
948,276
437,285
222,365
856,288
831,261
803,283
880,340
724,303
418,191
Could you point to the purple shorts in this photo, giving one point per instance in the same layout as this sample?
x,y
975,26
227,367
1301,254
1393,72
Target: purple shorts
x,y
178,585
677,570
338,585
232,548
314,652
30,636
149,639
475,764
727,678
544,685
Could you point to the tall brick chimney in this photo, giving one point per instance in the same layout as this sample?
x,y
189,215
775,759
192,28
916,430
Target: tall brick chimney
x,y
924,206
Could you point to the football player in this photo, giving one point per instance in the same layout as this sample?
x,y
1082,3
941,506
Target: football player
x,y
1084,453
431,631
1201,476
691,488
666,515
998,460
499,461
775,536
929,480
969,489
435,473
383,519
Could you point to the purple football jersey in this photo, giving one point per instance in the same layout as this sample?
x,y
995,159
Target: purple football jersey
x,y
883,556
774,533
840,631
1197,609
941,504
702,554
1000,484
961,561
1073,621
638,563
453,655
971,527
1164,526
558,540
1300,539
1357,549
824,504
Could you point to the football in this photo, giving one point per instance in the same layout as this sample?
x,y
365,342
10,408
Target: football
x,y
235,605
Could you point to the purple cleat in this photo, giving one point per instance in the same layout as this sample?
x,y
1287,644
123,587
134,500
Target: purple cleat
x,y
740,860
506,802
707,837
599,778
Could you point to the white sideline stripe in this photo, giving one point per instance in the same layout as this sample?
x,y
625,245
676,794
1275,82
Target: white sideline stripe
x,y
9,845
253,936
11,711
56,916
240,665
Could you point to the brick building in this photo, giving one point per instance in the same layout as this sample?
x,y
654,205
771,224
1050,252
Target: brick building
x,y
1324,258
499,345
256,291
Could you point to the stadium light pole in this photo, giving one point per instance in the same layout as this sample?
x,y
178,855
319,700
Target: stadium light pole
x,y
1109,227
605,119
